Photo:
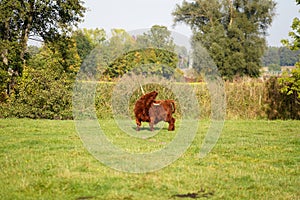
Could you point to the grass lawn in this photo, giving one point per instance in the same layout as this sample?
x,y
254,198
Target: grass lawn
x,y
43,159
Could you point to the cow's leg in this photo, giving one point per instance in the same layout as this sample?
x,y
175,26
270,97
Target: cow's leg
x,y
151,123
151,127
138,124
171,124
169,120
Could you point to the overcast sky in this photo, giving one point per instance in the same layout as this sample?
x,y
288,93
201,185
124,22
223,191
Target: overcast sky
x,y
142,14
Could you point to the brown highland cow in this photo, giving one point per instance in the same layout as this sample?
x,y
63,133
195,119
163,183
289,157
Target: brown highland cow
x,y
147,109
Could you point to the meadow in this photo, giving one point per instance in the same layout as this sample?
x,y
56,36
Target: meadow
x,y
253,159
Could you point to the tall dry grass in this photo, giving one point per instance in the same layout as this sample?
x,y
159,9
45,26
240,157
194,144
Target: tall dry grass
x,y
245,99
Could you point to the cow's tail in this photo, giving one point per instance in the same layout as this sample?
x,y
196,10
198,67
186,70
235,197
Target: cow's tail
x,y
173,106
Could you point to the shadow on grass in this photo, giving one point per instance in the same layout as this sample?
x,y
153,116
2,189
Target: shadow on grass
x,y
148,128
202,193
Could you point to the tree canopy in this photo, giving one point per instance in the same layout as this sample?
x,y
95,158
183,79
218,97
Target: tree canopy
x,y
45,19
20,20
280,56
233,31
295,34
291,84
153,52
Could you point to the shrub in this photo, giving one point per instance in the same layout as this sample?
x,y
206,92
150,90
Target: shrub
x,y
40,94
280,103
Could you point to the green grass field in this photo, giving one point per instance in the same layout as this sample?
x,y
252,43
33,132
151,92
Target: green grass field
x,y
43,159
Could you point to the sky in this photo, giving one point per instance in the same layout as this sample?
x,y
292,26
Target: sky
x,y
143,14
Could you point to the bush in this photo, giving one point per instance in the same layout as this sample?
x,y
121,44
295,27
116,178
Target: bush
x,y
40,94
281,104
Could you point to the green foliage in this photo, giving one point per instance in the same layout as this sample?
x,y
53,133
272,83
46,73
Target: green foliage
x,y
274,67
41,18
10,54
233,32
281,103
45,19
19,20
4,80
271,57
60,57
280,56
153,52
158,37
10,67
102,53
87,40
295,35
45,88
42,94
288,57
151,61
120,42
291,84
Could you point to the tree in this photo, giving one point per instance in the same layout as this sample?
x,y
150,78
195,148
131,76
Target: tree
x,y
120,42
271,57
45,19
60,55
150,60
295,34
284,93
152,52
280,56
157,37
87,40
119,54
45,88
22,19
287,56
233,32
291,84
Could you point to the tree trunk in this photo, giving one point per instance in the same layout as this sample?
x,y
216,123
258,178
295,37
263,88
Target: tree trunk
x,y
4,52
25,37
26,30
231,10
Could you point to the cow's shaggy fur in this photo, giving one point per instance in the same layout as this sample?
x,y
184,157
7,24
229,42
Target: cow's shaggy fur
x,y
147,109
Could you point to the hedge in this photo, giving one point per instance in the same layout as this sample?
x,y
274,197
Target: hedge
x,y
245,100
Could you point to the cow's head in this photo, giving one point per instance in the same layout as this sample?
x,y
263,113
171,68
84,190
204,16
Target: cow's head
x,y
150,97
